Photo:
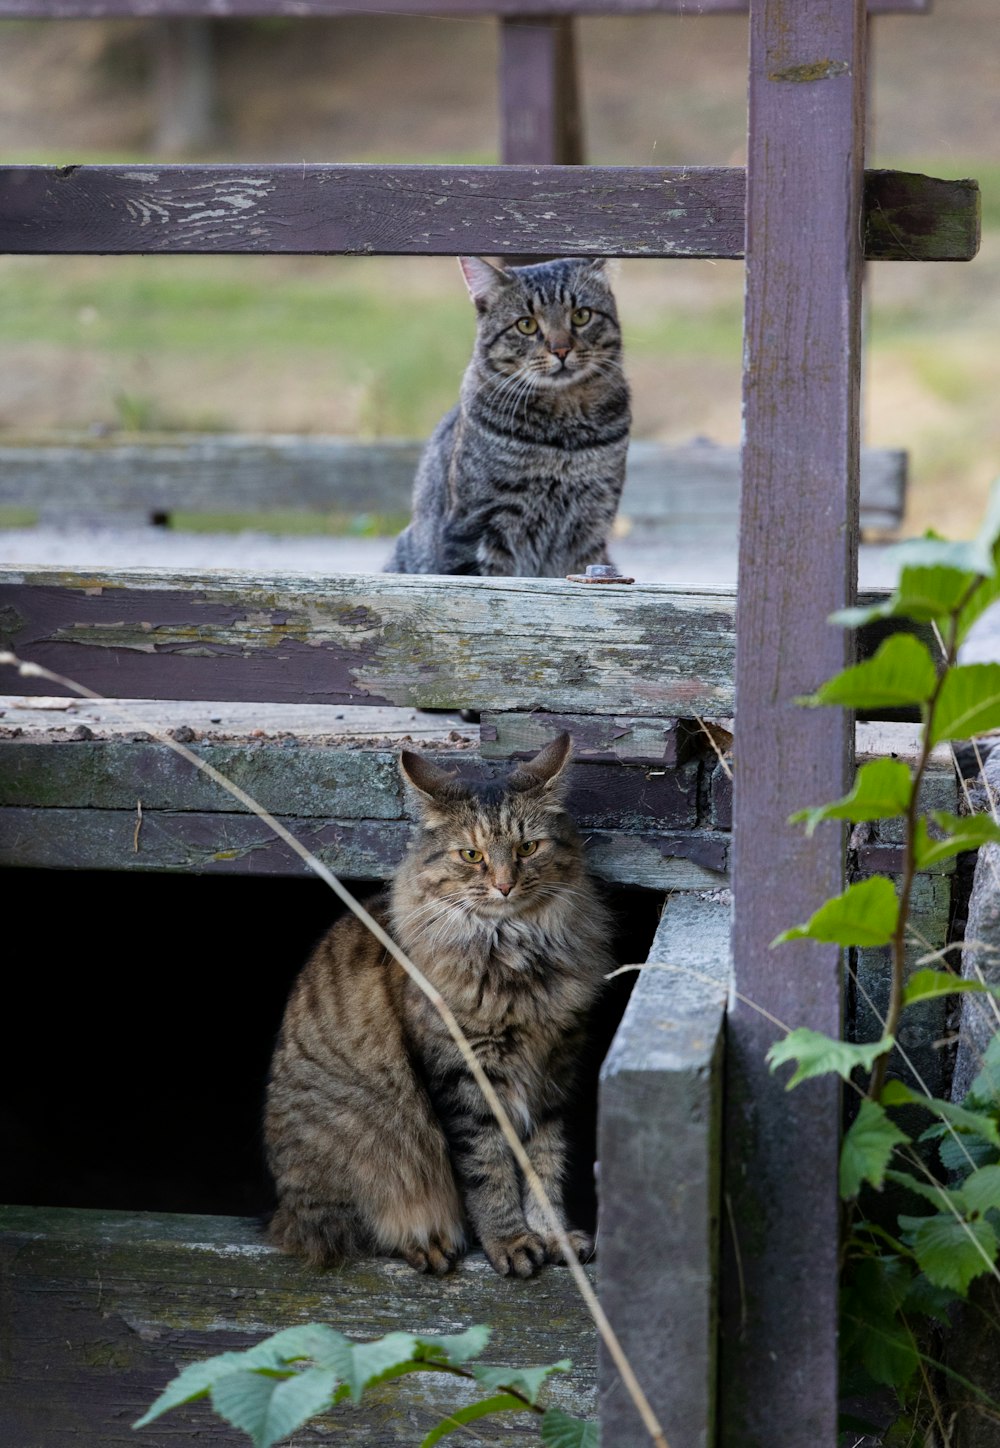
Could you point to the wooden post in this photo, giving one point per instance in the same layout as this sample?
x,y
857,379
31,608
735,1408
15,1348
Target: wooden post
x,y
798,548
184,60
540,116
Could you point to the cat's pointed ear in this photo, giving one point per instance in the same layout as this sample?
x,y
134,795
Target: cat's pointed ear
x,y
484,280
429,780
601,268
547,770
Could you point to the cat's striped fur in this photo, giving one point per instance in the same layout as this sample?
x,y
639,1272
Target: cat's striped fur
x,y
523,477
377,1136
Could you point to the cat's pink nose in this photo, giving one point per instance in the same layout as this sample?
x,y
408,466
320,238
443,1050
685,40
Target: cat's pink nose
x,y
561,352
504,886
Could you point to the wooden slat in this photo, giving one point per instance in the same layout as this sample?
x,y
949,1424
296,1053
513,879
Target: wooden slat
x,y
101,1310
797,565
381,639
312,781
227,844
691,486
432,211
539,104
297,9
659,1148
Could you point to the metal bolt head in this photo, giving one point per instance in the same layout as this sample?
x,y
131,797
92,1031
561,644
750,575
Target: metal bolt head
x,y
599,573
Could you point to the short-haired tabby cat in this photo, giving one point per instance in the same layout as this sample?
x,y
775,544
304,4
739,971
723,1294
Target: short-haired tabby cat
x,y
524,475
378,1137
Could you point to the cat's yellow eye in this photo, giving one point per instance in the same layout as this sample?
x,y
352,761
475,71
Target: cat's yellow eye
x,y
526,847
581,316
528,326
472,857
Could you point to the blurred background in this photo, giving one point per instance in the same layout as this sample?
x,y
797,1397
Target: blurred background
x,y
375,347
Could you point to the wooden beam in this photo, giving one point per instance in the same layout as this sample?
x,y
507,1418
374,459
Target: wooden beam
x,y
797,565
297,9
102,1309
380,639
639,211
694,487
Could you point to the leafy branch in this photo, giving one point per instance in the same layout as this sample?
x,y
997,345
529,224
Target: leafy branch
x,y
272,1389
898,1283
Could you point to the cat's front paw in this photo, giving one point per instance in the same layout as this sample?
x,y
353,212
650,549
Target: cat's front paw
x,y
581,1242
519,1256
437,1256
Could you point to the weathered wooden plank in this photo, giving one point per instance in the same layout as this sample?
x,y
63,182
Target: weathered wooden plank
x,y
433,211
797,565
101,1309
660,1147
311,781
539,104
223,843
375,640
297,9
50,719
365,210
694,486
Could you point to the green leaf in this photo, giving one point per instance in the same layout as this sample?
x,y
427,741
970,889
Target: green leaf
x,y
865,914
969,702
949,1251
870,1303
270,1408
925,985
927,592
369,1360
965,832
194,1382
867,1148
528,1381
895,1093
559,1430
456,1348
315,1340
817,1055
923,1297
881,791
940,1197
966,1152
503,1403
901,672
981,1190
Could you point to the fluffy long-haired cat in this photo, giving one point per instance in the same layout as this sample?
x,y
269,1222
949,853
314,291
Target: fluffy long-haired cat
x,y
378,1137
523,477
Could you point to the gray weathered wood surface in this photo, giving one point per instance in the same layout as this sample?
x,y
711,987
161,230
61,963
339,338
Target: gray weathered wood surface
x,y
660,1128
101,1309
380,639
221,9
691,487
798,564
440,211
539,103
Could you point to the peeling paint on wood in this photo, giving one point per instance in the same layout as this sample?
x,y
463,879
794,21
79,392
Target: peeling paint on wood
x,y
377,640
